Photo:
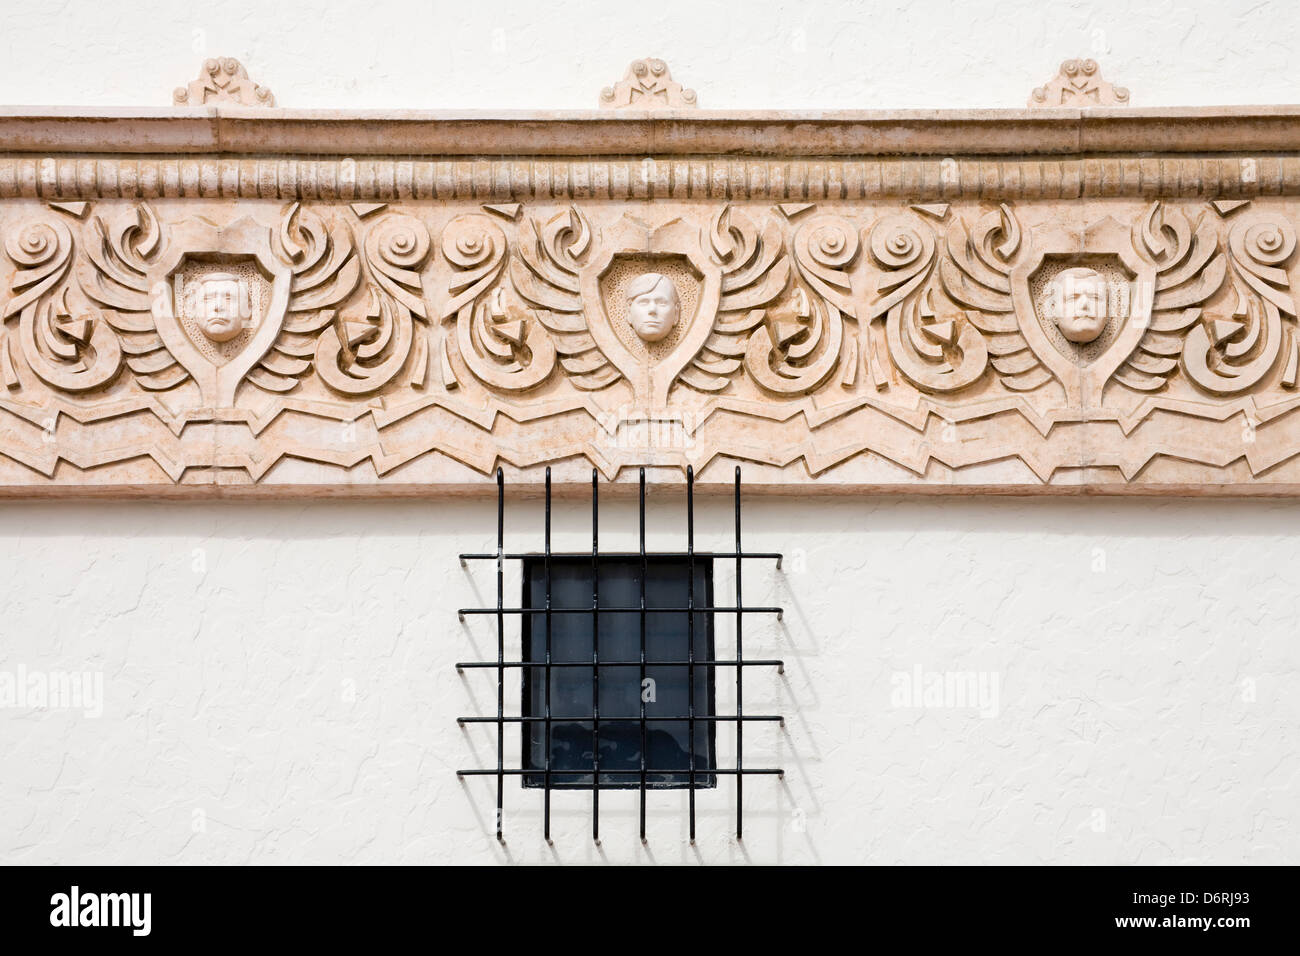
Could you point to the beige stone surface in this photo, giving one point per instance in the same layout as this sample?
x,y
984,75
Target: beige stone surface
x,y
212,318
647,85
1014,138
1078,85
222,80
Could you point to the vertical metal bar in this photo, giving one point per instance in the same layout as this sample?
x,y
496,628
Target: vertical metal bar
x,y
642,691
690,634
740,674
595,659
546,812
501,648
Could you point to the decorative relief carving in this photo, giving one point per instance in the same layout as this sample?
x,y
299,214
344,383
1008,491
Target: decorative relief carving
x,y
1189,271
647,85
1083,305
886,344
654,308
798,348
650,307
791,181
936,350
1234,348
222,80
369,343
222,305
976,273
1078,84
181,298
62,342
498,342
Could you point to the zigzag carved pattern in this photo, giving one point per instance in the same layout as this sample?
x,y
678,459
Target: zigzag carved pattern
x,y
796,279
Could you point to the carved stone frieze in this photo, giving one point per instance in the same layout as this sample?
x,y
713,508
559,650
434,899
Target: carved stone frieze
x,y
393,330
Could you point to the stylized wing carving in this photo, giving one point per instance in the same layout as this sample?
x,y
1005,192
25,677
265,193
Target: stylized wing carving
x,y
755,272
114,272
976,274
1189,270
326,271
545,274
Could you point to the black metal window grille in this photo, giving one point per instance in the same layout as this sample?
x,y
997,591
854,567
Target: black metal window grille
x,y
700,719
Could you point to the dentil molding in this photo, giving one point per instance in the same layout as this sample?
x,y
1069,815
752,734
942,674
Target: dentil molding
x,y
230,299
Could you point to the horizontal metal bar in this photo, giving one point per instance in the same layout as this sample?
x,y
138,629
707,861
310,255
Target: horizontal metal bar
x,y
619,610
587,718
465,665
520,555
770,771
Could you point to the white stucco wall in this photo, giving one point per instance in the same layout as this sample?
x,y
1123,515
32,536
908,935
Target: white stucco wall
x,y
825,54
278,680
281,679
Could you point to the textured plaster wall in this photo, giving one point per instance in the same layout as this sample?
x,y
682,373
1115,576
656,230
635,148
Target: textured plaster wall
x,y
279,684
494,53
278,680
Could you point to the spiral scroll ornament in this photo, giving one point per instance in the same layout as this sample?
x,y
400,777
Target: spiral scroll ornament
x,y
936,353
364,350
60,336
502,344
800,347
1229,354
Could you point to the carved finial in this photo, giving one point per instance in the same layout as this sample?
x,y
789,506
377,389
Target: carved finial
x,y
222,80
647,85
1079,84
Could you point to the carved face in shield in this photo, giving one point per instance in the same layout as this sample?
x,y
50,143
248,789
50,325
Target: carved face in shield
x,y
653,306
1079,300
223,306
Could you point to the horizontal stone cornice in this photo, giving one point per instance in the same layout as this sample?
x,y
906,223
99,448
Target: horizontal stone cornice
x,y
239,130
74,177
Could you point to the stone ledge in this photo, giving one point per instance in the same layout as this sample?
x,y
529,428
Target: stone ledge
x,y
225,130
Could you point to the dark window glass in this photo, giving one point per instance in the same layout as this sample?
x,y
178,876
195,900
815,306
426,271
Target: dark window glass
x,y
667,639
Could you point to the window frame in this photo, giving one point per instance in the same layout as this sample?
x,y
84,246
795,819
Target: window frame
x,y
703,653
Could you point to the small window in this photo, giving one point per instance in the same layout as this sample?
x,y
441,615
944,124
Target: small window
x,y
586,655
655,676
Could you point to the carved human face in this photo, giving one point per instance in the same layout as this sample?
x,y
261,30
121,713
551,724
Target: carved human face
x,y
223,307
1079,299
652,306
